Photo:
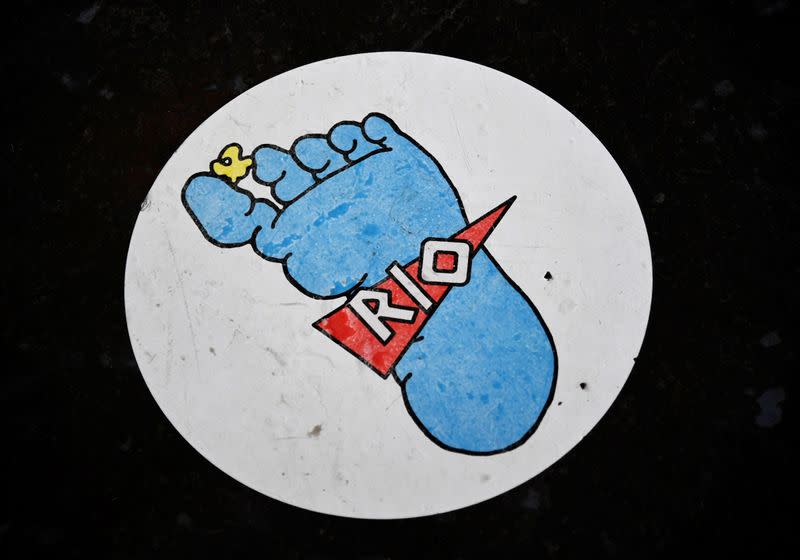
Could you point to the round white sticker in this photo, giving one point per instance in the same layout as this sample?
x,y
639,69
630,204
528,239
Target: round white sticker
x,y
388,285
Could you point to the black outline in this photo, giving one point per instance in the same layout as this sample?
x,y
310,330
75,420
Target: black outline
x,y
404,380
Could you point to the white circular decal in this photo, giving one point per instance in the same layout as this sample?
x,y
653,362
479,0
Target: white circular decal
x,y
388,285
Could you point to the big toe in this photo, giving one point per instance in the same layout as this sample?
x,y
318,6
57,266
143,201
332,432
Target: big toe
x,y
381,129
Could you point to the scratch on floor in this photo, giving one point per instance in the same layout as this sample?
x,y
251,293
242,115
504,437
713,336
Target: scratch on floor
x,y
278,358
183,297
392,403
461,141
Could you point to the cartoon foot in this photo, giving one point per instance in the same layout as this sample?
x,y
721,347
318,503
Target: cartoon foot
x,y
481,374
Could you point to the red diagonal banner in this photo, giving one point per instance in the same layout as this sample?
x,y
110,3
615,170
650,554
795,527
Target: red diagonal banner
x,y
378,324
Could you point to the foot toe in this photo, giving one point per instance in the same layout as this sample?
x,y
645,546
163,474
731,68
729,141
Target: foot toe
x,y
380,128
348,138
276,168
315,154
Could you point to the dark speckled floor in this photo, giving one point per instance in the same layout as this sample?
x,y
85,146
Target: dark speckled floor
x,y
695,100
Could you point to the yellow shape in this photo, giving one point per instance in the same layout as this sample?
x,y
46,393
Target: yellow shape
x,y
231,164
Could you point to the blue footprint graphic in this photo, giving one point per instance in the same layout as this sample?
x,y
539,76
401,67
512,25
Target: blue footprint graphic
x,y
481,374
